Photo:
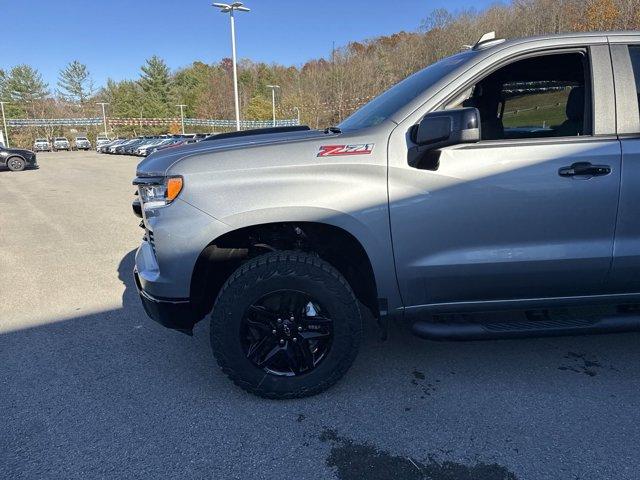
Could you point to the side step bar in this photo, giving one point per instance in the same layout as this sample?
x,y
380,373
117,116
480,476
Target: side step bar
x,y
548,327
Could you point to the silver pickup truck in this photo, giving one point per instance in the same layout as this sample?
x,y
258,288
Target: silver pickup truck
x,y
493,194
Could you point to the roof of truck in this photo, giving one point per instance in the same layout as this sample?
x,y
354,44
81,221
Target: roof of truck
x,y
559,36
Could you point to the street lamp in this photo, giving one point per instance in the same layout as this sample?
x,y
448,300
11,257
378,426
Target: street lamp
x,y
298,112
273,101
4,122
230,8
182,116
104,116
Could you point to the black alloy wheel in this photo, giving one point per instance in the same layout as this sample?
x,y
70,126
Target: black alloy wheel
x,y
286,333
286,325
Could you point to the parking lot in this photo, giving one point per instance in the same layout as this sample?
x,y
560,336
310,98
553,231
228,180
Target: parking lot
x,y
91,388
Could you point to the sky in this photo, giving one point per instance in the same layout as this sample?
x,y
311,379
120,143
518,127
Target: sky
x,y
114,37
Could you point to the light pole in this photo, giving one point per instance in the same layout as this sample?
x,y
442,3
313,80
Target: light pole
x,y
273,101
104,116
4,122
298,112
182,116
229,8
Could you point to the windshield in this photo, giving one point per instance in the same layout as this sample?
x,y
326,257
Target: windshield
x,y
62,139
385,105
40,140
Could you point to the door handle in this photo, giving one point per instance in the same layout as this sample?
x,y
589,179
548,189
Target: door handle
x,y
584,169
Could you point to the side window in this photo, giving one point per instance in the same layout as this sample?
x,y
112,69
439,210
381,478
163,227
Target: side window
x,y
634,53
542,108
538,97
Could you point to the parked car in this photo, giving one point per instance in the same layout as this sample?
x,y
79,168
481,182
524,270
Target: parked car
x,y
120,145
149,147
106,148
121,149
82,143
131,149
491,181
101,141
41,145
16,159
61,143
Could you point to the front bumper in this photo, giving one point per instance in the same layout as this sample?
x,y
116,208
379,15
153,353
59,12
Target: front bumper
x,y
176,314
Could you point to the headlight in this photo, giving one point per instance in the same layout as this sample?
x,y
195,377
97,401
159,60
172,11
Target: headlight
x,y
156,195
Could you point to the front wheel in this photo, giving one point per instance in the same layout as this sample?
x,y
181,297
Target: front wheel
x,y
286,325
16,164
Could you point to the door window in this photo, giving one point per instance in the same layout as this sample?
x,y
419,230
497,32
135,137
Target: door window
x,y
537,97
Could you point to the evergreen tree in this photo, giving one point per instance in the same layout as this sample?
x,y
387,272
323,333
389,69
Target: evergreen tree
x,y
75,83
155,81
3,84
25,84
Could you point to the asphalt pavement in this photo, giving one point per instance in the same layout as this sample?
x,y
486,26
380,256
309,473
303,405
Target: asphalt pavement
x,y
91,388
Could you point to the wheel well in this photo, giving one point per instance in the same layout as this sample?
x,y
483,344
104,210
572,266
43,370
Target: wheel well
x,y
333,244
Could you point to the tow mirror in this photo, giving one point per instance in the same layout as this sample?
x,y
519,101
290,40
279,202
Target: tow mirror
x,y
443,129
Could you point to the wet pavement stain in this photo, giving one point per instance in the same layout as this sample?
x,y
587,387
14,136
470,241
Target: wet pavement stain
x,y
356,461
582,363
419,380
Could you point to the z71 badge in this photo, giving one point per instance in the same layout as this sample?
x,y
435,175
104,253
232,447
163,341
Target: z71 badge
x,y
338,150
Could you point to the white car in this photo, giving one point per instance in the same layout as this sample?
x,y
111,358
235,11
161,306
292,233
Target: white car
x,y
101,140
61,143
82,143
41,145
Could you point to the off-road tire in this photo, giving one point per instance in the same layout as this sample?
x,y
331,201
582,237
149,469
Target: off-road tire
x,y
16,164
271,272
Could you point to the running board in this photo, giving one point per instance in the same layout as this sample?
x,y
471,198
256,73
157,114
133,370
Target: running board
x,y
547,327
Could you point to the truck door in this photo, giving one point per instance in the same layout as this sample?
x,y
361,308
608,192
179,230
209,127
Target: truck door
x,y
520,214
625,270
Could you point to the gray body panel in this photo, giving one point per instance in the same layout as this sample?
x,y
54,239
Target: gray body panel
x,y
626,255
481,229
494,223
276,178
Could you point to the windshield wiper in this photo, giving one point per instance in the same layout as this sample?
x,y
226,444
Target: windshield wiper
x,y
332,130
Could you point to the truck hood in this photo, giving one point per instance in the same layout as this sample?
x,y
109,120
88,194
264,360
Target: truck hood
x,y
159,162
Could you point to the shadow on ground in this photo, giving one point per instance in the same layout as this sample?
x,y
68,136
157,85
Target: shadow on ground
x,y
114,395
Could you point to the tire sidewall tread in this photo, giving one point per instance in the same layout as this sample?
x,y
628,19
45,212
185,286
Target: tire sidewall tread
x,y
285,269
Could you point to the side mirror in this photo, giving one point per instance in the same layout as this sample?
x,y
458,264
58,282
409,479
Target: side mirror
x,y
443,129
449,127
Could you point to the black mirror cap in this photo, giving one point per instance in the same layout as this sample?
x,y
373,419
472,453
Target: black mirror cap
x,y
448,127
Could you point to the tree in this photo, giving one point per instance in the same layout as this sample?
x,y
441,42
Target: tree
x,y
24,84
259,108
3,84
75,83
155,81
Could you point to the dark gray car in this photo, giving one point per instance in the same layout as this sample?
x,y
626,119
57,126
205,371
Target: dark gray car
x,y
482,197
